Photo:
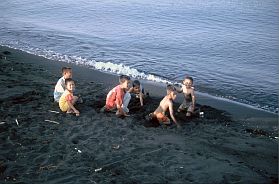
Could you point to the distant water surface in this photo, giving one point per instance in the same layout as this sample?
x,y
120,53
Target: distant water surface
x,y
230,48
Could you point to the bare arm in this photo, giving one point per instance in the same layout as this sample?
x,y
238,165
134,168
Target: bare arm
x,y
119,101
171,114
193,98
120,109
141,98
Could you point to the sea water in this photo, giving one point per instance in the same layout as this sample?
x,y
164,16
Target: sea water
x,y
229,47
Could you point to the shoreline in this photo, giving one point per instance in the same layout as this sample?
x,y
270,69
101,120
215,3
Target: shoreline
x,y
40,144
239,111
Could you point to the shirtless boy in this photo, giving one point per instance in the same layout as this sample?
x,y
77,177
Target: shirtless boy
x,y
189,101
166,104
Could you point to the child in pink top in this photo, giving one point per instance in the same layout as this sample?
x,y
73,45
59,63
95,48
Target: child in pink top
x,y
68,100
118,98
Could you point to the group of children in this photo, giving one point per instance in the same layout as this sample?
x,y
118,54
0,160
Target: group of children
x,y
118,98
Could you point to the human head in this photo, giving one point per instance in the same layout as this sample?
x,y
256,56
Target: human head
x,y
188,81
70,84
124,81
136,85
171,91
67,72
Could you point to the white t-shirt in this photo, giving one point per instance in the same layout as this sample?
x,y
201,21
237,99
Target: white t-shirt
x,y
59,89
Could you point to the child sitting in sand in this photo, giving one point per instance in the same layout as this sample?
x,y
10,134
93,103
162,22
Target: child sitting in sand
x,y
118,99
138,90
189,101
68,100
60,85
165,104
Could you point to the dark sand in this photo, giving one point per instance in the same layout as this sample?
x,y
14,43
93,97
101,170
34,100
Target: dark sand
x,y
222,147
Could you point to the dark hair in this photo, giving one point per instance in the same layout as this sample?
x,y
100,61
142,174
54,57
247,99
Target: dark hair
x,y
65,69
124,78
190,78
170,88
136,83
68,80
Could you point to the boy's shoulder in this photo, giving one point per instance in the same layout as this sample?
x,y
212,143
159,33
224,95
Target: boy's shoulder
x,y
61,79
166,99
118,89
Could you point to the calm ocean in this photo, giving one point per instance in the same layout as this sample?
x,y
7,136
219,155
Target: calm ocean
x,y
229,47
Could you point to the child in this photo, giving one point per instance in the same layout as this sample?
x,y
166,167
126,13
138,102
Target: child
x,y
189,96
60,85
165,104
118,98
68,100
138,90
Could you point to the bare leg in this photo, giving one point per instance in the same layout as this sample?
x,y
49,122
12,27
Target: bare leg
x,y
190,111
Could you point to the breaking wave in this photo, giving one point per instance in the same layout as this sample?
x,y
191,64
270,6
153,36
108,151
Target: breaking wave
x,y
108,66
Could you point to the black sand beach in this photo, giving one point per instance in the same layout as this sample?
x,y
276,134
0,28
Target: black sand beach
x,y
39,144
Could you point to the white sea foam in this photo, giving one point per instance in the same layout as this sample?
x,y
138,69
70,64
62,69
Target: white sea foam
x,y
109,67
122,69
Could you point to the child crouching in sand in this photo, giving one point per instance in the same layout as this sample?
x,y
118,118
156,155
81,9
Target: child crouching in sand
x,y
118,99
68,100
138,90
165,104
189,101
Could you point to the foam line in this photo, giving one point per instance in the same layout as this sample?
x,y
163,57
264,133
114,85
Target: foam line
x,y
97,65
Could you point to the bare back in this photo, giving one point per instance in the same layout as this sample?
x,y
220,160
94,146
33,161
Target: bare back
x,y
164,105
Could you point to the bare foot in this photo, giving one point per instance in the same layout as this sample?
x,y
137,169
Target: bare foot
x,y
70,111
